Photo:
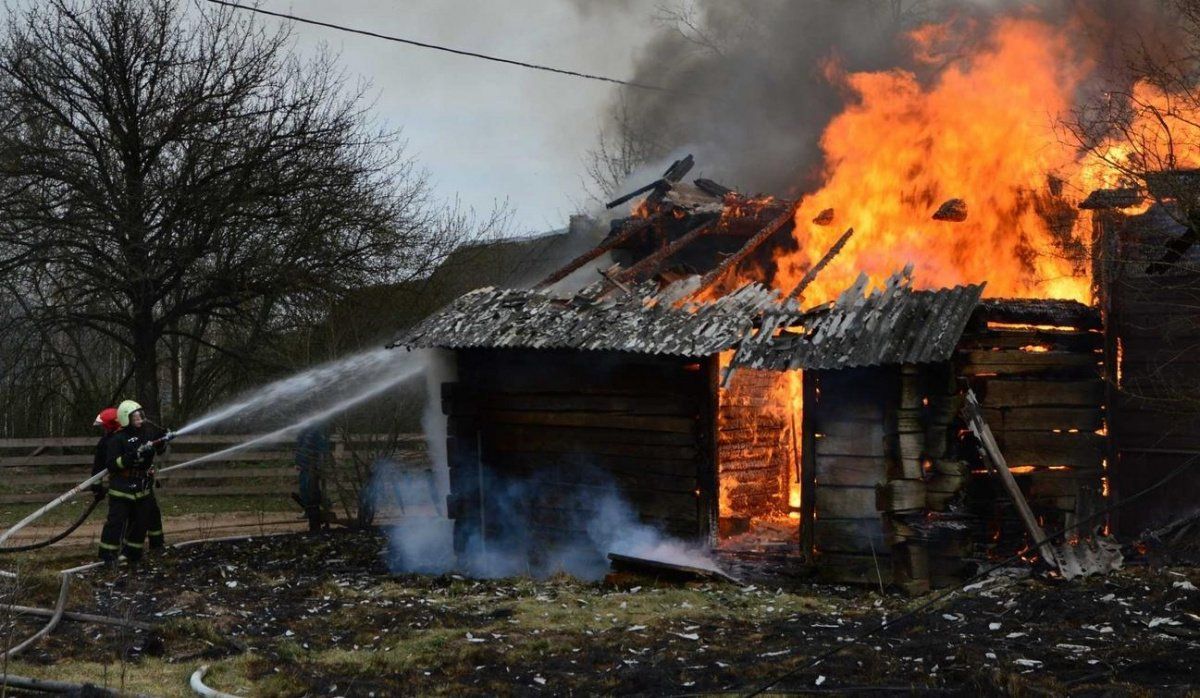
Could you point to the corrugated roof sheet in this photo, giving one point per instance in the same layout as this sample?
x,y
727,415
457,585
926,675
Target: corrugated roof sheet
x,y
893,325
643,321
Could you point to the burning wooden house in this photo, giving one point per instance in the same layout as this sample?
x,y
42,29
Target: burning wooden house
x,y
830,436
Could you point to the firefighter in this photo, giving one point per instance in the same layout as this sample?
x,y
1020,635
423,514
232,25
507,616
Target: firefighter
x,y
132,511
106,420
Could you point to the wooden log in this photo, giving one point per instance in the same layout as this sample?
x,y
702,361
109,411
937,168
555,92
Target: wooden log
x,y
849,446
1081,450
1044,418
549,443
648,264
464,402
777,224
908,469
1055,340
584,435
1026,393
1015,363
911,568
872,431
850,471
845,502
592,462
815,270
630,229
850,535
679,425
900,495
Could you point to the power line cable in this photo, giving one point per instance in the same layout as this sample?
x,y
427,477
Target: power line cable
x,y
446,49
954,590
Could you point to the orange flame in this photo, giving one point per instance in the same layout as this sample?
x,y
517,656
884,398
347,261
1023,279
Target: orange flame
x,y
983,130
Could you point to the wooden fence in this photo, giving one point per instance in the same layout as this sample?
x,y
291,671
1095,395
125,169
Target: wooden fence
x,y
35,470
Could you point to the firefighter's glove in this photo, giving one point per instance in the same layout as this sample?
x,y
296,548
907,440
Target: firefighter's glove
x,y
98,489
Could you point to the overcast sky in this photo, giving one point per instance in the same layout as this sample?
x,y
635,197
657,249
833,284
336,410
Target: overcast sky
x,y
485,131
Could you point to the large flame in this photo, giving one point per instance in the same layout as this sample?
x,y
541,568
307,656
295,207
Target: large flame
x,y
983,127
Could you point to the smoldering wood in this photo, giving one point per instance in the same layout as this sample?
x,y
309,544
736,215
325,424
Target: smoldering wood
x,y
1055,340
658,184
825,217
648,264
712,188
815,270
776,225
628,231
1017,363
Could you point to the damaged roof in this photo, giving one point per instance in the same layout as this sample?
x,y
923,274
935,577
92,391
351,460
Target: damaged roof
x,y
892,325
643,321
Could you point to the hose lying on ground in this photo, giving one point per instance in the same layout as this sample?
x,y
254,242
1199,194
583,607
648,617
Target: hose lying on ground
x,y
75,689
51,541
81,617
197,684
50,625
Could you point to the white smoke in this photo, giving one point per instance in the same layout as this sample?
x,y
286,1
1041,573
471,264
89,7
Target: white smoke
x,y
601,520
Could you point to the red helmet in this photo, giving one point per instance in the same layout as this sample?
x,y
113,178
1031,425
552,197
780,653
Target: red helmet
x,y
107,419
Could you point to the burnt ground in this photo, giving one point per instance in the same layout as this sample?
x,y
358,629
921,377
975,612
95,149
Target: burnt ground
x,y
321,615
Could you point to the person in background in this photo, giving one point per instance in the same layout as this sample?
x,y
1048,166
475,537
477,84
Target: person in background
x,y
129,457
312,451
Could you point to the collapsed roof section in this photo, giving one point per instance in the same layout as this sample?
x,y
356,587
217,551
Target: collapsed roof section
x,y
680,246
892,325
648,324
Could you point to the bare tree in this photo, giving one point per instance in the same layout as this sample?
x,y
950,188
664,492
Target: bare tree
x,y
178,183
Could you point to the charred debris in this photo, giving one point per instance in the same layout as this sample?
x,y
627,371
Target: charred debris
x,y
843,440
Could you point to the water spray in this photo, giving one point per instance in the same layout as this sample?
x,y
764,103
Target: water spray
x,y
295,386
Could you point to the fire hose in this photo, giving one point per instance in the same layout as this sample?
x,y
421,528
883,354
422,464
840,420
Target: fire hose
x,y
70,494
66,532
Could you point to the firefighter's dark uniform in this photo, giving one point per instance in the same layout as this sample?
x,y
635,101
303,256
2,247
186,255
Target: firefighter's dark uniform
x,y
132,511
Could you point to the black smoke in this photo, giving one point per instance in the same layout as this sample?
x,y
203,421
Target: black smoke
x,y
748,90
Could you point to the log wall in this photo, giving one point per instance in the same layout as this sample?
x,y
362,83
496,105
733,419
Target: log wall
x,y
578,426
1042,391
1154,393
757,446
846,415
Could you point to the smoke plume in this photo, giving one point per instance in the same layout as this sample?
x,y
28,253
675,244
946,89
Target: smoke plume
x,y
601,520
748,81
